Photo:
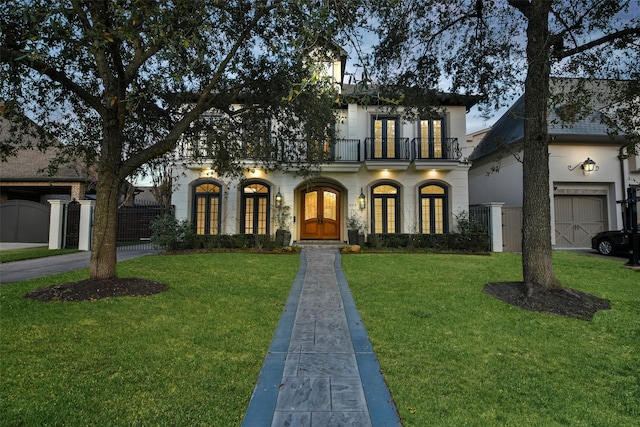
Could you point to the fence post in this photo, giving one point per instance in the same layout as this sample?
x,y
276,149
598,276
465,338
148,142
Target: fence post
x,y
495,225
86,224
56,220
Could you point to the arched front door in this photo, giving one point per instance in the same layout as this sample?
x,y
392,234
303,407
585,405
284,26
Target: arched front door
x,y
321,213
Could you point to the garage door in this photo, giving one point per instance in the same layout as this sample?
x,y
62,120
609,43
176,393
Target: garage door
x,y
24,221
578,218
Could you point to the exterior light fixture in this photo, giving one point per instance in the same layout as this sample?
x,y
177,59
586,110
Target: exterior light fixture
x,y
362,200
587,166
278,199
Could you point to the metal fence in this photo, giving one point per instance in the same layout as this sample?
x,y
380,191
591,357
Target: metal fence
x,y
71,224
134,225
481,215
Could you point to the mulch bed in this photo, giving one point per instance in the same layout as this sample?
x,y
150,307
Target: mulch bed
x,y
87,290
563,302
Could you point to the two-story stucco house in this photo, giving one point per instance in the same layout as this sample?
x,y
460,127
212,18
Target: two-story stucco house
x,y
396,175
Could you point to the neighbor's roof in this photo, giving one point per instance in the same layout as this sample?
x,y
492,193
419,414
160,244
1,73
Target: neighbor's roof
x,y
30,164
509,129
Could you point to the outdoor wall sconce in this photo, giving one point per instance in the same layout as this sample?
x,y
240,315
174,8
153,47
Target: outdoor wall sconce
x,y
278,199
362,200
587,166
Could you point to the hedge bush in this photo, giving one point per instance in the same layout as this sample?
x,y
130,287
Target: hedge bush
x,y
448,242
171,235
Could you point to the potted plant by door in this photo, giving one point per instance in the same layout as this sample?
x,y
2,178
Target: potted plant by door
x,y
283,224
355,230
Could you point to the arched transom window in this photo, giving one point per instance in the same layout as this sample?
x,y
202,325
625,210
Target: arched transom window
x,y
433,209
206,212
255,209
385,199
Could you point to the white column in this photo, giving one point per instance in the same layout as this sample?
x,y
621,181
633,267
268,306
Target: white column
x,y
86,224
495,225
56,219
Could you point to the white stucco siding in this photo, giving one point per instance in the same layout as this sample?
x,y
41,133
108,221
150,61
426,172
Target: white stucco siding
x,y
350,185
606,181
456,124
561,157
502,185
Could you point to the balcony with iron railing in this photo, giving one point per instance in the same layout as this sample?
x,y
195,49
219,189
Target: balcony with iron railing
x,y
286,151
436,149
392,149
402,150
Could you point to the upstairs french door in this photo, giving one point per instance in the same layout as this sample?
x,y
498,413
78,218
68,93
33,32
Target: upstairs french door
x,y
385,134
321,214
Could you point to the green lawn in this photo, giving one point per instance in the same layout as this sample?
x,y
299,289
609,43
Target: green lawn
x,y
31,253
455,356
452,355
186,357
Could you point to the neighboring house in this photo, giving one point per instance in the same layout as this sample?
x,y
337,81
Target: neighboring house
x,y
589,172
473,139
397,176
25,192
25,189
23,177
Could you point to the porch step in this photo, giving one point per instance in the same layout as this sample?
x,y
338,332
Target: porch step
x,y
320,244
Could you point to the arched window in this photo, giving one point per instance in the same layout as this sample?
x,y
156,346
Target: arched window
x,y
255,208
433,209
385,200
206,207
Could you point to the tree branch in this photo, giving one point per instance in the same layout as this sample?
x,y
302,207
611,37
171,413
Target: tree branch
x,y
203,102
524,6
598,42
7,56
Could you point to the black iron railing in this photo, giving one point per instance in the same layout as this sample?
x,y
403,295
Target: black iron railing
x,y
340,150
436,149
392,149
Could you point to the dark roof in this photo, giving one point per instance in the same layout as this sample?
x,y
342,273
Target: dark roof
x,y
509,129
410,96
30,163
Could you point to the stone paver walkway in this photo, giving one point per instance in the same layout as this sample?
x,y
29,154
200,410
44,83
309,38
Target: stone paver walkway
x,y
320,369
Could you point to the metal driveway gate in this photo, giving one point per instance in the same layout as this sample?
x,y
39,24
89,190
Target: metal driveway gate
x,y
71,233
134,225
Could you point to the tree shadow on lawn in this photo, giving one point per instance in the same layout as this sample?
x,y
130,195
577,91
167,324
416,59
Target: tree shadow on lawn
x,y
563,301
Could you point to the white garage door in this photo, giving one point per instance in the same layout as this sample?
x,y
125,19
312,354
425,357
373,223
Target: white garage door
x,y
578,218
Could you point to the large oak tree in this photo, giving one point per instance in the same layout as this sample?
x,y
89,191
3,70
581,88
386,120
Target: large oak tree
x,y
488,47
121,82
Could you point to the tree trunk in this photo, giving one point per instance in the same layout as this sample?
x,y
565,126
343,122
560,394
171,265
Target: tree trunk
x,y
537,267
103,248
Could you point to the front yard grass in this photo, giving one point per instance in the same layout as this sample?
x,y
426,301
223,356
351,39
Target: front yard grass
x,y
455,356
32,253
451,354
188,356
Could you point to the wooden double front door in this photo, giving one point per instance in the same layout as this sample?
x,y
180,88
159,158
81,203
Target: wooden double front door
x,y
321,214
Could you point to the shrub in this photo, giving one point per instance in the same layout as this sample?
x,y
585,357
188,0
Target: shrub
x,y
171,234
448,242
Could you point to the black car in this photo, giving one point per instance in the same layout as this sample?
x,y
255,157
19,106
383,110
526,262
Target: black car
x,y
611,242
